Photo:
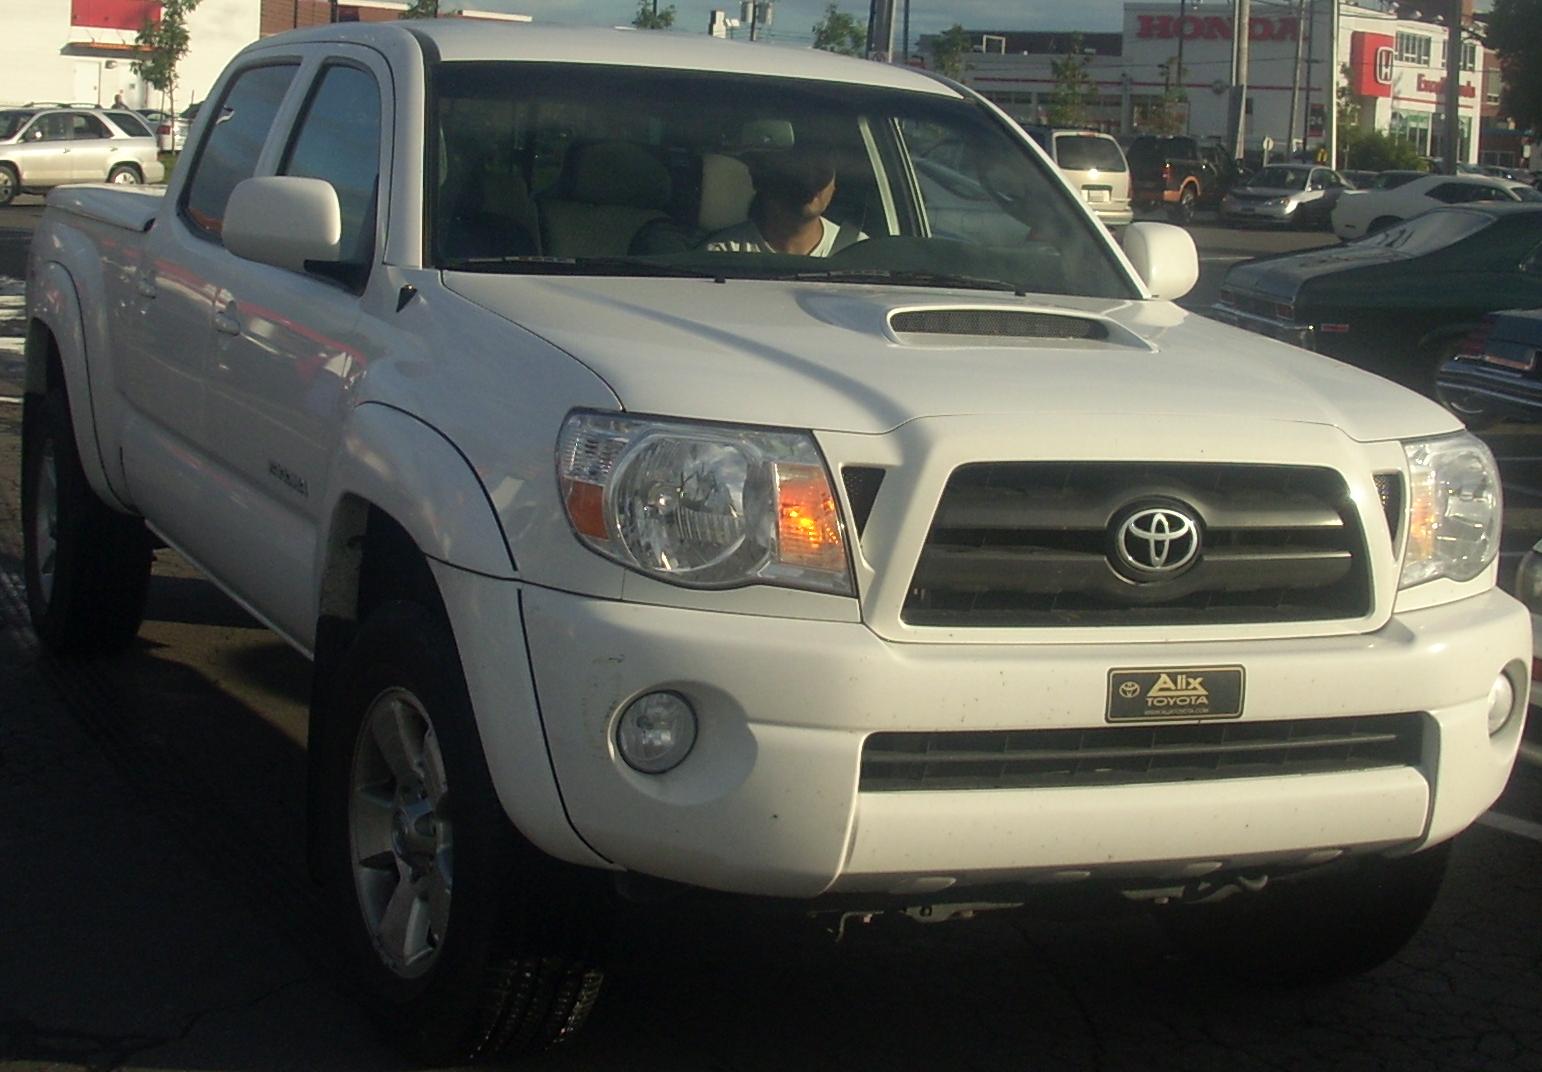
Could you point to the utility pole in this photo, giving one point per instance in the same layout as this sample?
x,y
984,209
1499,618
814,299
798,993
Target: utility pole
x,y
1295,80
1183,11
1453,94
1241,24
1311,26
1331,117
754,19
905,46
880,30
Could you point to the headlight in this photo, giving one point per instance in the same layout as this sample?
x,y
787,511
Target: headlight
x,y
703,505
1528,582
1454,503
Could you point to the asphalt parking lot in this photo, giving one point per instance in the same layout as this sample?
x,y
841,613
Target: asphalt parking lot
x,y
158,915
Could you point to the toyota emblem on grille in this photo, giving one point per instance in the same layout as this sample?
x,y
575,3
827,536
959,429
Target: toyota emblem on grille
x,y
1157,541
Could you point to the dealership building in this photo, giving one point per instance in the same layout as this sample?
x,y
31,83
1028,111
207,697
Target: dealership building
x,y
1391,68
81,51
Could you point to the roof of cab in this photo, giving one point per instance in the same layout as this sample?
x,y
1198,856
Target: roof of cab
x,y
465,39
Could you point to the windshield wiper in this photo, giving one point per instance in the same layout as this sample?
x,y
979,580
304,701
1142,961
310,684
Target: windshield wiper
x,y
533,265
904,278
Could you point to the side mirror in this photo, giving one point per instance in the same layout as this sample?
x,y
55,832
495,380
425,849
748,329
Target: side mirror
x,y
1164,257
284,221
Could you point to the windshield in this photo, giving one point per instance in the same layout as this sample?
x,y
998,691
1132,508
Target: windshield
x,y
587,169
1430,231
1084,152
1280,178
12,122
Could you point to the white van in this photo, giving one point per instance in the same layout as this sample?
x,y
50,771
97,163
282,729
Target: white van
x,y
1095,166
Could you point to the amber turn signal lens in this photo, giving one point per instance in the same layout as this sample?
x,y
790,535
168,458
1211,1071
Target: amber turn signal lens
x,y
808,528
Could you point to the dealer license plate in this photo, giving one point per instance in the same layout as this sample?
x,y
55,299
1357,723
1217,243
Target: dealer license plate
x,y
1175,693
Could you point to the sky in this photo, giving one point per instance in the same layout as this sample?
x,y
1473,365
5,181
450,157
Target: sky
x,y
794,19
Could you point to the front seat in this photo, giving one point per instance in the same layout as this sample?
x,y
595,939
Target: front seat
x,y
607,192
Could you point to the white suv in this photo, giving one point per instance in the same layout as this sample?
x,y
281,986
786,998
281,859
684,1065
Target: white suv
x,y
41,148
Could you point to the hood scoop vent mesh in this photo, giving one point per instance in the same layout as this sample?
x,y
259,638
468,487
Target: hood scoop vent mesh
x,y
996,323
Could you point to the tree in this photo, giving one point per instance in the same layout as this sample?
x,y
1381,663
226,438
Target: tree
x,y
1072,96
1514,27
649,17
948,51
162,45
1371,150
840,32
422,9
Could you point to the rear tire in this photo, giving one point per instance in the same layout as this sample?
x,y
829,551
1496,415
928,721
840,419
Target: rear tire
x,y
87,566
125,175
1317,927
468,942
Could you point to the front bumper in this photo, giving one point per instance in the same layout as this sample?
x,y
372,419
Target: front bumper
x,y
768,802
1258,212
1499,391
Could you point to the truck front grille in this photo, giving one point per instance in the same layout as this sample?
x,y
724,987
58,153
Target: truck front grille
x,y
1032,544
1138,755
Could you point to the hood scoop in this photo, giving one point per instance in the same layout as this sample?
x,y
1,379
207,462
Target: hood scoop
x,y
999,327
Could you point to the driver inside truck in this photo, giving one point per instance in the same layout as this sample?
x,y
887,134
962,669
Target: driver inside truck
x,y
793,188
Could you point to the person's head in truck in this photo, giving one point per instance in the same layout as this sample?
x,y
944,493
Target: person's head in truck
x,y
793,188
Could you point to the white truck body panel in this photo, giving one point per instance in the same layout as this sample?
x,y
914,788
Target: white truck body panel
x,y
245,411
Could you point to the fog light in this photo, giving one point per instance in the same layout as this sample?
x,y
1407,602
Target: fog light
x,y
656,732
1501,701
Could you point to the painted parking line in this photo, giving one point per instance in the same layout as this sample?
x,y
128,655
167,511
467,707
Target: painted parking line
x,y
1511,825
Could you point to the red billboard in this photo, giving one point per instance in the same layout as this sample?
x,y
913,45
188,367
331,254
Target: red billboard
x,y
114,14
1370,64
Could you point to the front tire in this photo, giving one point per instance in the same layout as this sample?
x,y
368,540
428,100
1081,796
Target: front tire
x,y
1316,927
468,942
87,567
10,184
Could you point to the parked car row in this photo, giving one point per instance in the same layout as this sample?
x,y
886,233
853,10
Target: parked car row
x,y
1406,300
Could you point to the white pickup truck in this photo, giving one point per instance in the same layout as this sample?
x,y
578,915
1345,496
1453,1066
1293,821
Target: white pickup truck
x,y
747,469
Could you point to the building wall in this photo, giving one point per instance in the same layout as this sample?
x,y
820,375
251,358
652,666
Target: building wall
x,y
44,57
1149,62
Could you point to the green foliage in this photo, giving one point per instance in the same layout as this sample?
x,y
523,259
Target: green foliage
x,y
949,49
1514,28
1371,150
649,17
422,9
1071,99
840,32
163,45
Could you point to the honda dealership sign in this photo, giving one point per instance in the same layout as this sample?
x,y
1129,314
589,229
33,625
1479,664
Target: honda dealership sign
x,y
1370,64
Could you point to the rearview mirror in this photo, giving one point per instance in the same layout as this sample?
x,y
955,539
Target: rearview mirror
x,y
284,221
1164,257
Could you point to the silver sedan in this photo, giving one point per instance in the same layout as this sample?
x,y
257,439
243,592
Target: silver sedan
x,y
1299,195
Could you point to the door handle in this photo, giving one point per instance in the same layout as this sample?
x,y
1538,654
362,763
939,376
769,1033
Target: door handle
x,y
225,321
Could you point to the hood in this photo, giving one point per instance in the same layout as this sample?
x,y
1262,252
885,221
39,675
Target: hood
x,y
1281,278
826,357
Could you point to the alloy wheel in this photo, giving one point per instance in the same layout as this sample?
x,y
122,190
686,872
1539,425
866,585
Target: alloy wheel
x,y
400,837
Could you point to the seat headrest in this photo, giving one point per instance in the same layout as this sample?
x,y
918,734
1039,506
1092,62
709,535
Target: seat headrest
x,y
615,173
726,192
